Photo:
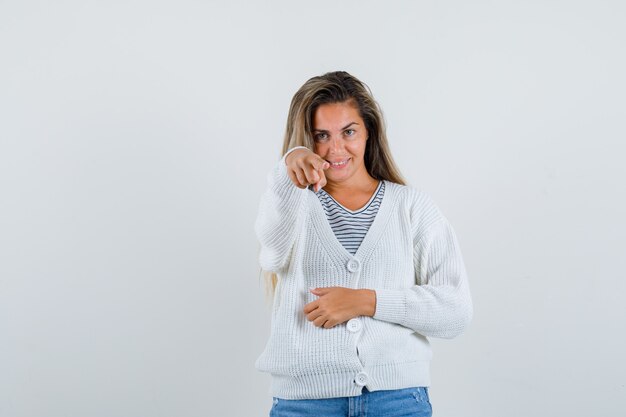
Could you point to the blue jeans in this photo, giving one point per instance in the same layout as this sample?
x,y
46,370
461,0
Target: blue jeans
x,y
406,402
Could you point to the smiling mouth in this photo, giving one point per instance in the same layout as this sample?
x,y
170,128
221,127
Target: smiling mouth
x,y
338,164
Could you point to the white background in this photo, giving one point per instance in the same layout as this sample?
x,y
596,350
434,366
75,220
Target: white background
x,y
135,138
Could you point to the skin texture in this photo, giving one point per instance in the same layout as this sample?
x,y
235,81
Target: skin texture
x,y
340,135
337,305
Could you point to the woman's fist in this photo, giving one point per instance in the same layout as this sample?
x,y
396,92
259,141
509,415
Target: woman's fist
x,y
306,168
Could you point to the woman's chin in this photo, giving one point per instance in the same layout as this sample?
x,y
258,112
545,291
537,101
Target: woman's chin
x,y
336,179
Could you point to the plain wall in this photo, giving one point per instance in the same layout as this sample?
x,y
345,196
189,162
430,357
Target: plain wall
x,y
135,140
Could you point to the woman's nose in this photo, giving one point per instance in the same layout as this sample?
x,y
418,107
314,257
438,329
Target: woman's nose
x,y
336,144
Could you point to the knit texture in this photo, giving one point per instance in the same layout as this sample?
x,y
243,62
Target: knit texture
x,y
410,256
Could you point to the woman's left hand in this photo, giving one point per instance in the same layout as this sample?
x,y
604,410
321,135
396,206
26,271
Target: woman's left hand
x,y
337,305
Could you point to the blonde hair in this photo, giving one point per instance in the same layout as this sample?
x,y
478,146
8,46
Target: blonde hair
x,y
338,87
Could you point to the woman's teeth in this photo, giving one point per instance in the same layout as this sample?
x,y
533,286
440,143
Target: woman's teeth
x,y
338,164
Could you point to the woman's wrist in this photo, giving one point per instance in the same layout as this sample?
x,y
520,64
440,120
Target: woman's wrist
x,y
369,302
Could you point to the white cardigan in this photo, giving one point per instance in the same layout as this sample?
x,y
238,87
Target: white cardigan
x,y
411,258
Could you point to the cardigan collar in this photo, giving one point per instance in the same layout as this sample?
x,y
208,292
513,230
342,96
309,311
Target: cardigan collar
x,y
330,242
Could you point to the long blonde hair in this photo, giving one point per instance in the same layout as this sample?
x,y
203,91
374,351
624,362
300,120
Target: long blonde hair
x,y
338,87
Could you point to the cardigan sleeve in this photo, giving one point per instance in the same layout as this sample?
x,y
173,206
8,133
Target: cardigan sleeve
x,y
280,216
439,305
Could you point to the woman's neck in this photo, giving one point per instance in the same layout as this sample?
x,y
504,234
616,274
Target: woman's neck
x,y
365,184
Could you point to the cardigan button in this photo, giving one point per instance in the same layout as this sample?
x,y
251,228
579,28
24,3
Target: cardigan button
x,y
353,265
361,379
354,325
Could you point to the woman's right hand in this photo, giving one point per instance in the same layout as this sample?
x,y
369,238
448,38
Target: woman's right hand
x,y
305,168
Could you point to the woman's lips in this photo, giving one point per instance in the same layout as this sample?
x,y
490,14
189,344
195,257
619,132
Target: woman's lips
x,y
339,164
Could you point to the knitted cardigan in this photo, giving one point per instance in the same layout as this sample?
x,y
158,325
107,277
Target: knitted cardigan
x,y
410,257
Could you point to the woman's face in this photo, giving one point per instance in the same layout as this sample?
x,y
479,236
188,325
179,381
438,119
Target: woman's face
x,y
340,136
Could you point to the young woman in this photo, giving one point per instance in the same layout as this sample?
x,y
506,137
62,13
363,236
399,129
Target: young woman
x,y
364,268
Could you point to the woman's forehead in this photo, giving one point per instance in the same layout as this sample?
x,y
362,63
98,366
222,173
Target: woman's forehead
x,y
336,116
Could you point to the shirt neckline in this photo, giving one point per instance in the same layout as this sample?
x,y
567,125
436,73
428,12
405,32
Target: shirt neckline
x,y
357,211
325,232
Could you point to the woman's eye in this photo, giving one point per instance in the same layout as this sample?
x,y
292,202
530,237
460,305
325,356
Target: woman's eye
x,y
320,136
350,132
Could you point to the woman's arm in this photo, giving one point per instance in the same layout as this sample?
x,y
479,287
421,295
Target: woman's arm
x,y
281,212
283,205
441,305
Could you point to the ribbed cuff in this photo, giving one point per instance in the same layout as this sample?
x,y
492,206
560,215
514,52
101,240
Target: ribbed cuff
x,y
282,183
390,306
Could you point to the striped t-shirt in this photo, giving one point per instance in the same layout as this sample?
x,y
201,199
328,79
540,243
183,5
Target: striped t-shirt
x,y
351,226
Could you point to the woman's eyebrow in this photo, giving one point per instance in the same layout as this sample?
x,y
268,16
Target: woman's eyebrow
x,y
343,128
